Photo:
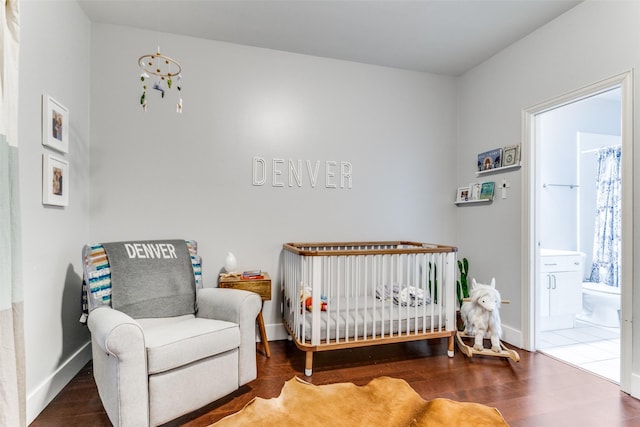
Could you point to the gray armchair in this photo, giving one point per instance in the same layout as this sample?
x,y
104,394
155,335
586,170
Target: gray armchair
x,y
162,345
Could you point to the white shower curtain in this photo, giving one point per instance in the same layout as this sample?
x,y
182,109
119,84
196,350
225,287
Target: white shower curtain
x,y
608,224
12,359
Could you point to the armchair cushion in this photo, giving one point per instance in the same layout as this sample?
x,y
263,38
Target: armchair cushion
x,y
181,340
151,278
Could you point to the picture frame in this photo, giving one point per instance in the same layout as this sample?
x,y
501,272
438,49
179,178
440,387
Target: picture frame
x,y
511,155
486,190
55,181
55,124
463,194
491,159
474,193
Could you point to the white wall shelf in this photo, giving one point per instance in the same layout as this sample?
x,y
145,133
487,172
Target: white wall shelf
x,y
469,202
498,170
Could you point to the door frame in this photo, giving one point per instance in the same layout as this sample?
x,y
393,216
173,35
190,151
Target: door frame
x,y
530,268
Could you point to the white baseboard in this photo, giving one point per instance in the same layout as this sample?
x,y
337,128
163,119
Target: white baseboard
x,y
44,393
512,336
635,386
275,332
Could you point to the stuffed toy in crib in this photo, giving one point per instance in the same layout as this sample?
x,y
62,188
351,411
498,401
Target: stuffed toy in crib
x,y
481,315
306,300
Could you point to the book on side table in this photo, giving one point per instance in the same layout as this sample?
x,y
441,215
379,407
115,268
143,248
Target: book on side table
x,y
252,274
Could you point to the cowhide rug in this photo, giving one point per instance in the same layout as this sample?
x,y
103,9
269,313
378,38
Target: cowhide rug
x,y
384,401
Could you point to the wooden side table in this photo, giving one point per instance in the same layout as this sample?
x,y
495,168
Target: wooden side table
x,y
260,286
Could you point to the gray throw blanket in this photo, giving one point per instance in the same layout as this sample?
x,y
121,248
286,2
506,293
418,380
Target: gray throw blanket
x,y
151,278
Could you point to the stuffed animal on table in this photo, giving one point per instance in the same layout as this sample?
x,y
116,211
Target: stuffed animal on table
x,y
481,315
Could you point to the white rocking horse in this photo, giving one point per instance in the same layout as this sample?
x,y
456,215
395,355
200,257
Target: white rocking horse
x,y
481,316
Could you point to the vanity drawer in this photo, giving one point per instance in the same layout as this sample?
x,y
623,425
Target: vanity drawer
x,y
560,263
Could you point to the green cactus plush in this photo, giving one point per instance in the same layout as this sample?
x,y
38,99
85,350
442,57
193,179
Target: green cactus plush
x,y
433,284
463,284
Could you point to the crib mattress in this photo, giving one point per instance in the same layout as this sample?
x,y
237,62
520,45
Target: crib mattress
x,y
369,317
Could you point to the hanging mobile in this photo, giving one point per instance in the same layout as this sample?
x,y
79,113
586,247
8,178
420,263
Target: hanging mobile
x,y
162,67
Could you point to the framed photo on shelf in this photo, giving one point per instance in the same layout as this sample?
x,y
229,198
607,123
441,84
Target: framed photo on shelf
x,y
486,190
474,193
491,159
55,181
511,155
463,194
55,124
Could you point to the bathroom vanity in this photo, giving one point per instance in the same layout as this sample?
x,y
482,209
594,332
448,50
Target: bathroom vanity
x,y
560,288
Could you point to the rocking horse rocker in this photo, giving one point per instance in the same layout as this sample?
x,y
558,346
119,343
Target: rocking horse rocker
x,y
481,316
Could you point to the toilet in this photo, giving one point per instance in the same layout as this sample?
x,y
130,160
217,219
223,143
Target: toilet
x,y
600,304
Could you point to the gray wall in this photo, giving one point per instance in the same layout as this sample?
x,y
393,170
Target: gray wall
x,y
158,174
591,42
54,59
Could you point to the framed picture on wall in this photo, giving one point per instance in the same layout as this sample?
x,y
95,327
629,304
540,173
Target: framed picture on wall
x,y
511,155
474,190
490,159
55,124
486,190
55,181
463,194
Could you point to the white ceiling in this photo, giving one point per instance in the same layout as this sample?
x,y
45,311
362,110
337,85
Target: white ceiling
x,y
438,36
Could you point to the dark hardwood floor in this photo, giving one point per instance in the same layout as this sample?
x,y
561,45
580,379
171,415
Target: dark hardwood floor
x,y
537,391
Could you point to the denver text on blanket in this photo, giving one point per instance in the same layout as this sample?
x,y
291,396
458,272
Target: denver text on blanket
x,y
150,250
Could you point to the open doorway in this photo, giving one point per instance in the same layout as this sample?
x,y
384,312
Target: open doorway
x,y
578,294
566,141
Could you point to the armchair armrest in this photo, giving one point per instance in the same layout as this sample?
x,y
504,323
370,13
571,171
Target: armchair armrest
x,y
241,307
115,332
232,305
120,366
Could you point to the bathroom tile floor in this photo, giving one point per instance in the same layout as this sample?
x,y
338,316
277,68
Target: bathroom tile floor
x,y
590,347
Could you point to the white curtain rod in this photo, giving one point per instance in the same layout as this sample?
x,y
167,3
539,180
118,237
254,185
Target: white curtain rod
x,y
571,186
595,150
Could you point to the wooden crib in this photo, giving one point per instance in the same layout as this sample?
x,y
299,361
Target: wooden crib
x,y
353,294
